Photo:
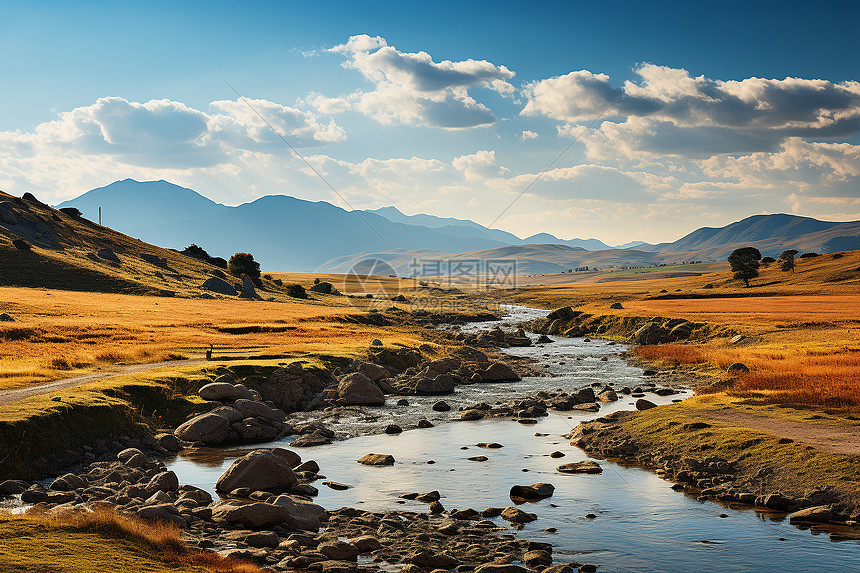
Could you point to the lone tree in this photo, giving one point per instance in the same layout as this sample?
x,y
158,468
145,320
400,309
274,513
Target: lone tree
x,y
786,260
244,264
745,263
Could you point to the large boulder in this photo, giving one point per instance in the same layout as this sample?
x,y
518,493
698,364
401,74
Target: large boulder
x,y
248,290
301,514
219,392
251,409
108,255
254,515
499,372
261,470
373,371
208,428
7,213
651,333
220,286
564,313
441,384
439,367
358,389
294,387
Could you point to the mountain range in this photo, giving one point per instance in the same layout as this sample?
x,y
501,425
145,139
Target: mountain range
x,y
289,234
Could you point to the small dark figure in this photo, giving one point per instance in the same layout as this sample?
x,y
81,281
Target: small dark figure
x,y
209,352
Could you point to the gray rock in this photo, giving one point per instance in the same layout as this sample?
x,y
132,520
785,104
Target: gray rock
x,y
207,428
643,404
564,313
250,409
168,441
108,255
338,550
358,389
232,414
738,368
166,512
255,515
499,372
261,470
164,481
218,392
817,514
263,539
248,290
376,460
586,467
220,286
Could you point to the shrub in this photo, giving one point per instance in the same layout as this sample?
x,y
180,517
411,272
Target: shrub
x,y
745,263
21,244
316,281
71,211
767,260
244,264
267,277
200,254
809,255
278,282
296,291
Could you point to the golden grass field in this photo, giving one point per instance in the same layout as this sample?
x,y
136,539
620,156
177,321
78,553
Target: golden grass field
x,y
98,541
58,334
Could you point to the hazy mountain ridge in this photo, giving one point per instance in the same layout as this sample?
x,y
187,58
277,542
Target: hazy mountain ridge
x,y
286,233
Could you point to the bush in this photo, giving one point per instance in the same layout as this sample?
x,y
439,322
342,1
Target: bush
x,y
278,282
244,264
809,255
21,245
267,277
296,291
200,254
316,281
768,260
72,212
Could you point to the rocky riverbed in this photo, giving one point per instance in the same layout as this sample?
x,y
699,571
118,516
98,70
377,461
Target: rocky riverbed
x,y
442,473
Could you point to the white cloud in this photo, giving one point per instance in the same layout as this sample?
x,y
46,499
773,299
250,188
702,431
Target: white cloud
x,y
825,168
671,112
527,134
411,88
479,166
577,183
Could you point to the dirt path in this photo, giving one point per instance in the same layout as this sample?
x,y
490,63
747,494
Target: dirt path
x,y
14,395
840,439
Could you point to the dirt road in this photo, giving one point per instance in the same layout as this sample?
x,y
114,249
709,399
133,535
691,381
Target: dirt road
x,y
14,395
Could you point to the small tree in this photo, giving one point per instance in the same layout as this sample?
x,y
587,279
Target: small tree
x,y
296,291
745,263
786,260
244,264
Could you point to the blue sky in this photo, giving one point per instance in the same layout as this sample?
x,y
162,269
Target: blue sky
x,y
719,110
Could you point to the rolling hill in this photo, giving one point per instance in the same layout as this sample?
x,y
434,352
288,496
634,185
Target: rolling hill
x,y
289,234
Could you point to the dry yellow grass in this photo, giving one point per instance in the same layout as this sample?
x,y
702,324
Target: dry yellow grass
x,y
58,334
101,540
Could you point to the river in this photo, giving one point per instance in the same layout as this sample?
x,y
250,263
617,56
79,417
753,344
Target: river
x,y
637,522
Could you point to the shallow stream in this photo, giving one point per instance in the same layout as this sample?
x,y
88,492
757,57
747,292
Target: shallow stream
x,y
640,524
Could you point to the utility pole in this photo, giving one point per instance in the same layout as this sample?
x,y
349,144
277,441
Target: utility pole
x,y
100,215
